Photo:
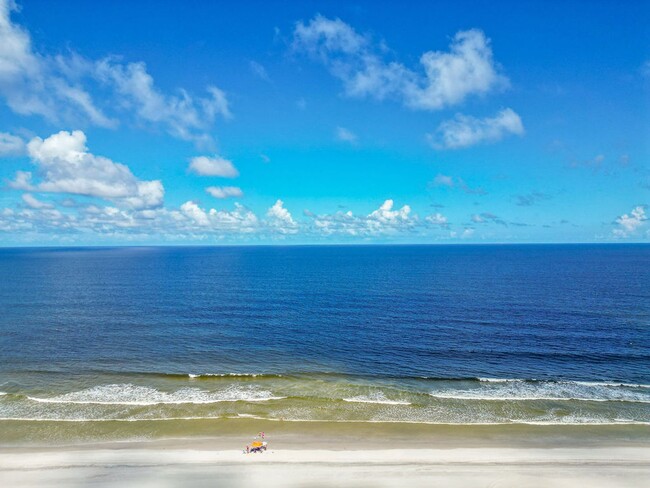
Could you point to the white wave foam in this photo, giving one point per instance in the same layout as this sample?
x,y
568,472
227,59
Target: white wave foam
x,y
599,383
504,390
500,380
529,398
379,398
225,375
566,382
583,422
128,394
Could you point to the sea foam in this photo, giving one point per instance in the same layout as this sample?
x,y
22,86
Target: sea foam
x,y
378,398
129,394
517,390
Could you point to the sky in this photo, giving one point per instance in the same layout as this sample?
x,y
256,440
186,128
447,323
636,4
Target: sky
x,y
319,122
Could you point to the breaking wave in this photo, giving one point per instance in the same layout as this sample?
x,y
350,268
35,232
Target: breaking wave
x,y
378,398
128,394
522,390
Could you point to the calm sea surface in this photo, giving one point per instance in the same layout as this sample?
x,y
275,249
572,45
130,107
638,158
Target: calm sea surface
x,y
431,334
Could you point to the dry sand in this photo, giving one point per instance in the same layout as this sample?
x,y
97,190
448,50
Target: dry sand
x,y
174,463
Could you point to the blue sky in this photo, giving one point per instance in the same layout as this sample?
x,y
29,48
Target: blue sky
x,y
323,122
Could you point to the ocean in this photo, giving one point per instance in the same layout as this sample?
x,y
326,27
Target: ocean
x,y
140,341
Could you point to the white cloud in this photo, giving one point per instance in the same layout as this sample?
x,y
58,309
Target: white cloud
x,y
224,191
11,145
447,79
59,88
65,166
386,215
383,221
32,84
452,182
237,221
195,213
443,180
629,224
259,71
464,131
215,166
190,221
346,135
436,219
32,202
477,219
280,219
182,115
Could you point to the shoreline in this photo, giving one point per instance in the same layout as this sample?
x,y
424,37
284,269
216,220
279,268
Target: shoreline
x,y
205,453
229,433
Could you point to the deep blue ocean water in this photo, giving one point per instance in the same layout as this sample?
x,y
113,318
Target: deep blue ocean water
x,y
387,327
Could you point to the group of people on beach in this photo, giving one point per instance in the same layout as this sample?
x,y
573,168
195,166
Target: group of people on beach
x,y
256,445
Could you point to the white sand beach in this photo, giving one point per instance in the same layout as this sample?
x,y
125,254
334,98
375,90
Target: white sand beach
x,y
173,464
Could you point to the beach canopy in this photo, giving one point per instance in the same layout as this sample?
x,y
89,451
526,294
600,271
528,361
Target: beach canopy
x,y
257,444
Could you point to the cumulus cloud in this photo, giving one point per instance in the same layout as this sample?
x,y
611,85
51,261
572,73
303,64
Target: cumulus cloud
x,y
436,219
280,219
213,166
346,135
385,220
11,145
628,224
32,202
60,89
65,165
463,130
224,191
445,78
192,211
386,215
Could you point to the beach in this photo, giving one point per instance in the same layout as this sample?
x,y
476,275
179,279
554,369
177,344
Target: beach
x,y
531,456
